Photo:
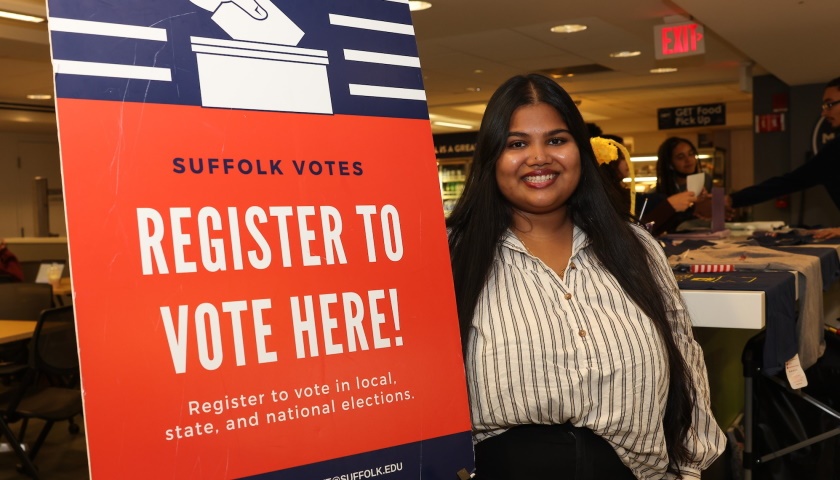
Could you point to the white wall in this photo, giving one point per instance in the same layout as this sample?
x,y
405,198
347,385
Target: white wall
x,y
22,158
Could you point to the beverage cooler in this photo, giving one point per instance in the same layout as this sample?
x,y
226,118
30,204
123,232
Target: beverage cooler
x,y
454,156
452,173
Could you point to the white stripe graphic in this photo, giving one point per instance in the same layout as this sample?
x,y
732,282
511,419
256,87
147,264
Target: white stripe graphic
x,y
108,29
236,52
398,1
383,58
387,92
70,67
367,24
259,47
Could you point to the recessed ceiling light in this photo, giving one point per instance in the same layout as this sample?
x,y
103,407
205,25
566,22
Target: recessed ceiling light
x,y
453,125
473,89
570,28
625,54
663,70
478,70
415,6
39,96
21,17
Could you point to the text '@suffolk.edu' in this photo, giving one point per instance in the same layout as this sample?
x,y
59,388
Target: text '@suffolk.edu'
x,y
369,473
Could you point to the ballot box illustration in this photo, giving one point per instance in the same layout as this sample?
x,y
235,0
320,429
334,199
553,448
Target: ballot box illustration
x,y
237,74
260,69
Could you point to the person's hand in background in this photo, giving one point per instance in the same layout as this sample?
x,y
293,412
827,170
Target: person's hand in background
x,y
825,233
682,201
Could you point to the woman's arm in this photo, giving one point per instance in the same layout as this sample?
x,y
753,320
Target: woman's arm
x,y
819,170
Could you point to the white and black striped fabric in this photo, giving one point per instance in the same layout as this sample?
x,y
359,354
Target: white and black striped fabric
x,y
546,350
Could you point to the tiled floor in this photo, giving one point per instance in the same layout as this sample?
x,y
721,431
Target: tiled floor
x,y
62,457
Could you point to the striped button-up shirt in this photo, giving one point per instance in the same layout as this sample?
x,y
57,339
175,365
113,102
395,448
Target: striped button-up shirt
x,y
546,350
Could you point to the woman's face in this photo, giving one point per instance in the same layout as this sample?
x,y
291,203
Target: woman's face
x,y
539,168
684,159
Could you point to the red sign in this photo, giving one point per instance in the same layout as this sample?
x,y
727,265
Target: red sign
x,y
679,40
770,122
260,268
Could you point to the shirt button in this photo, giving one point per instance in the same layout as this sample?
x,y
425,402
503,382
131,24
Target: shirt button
x,y
568,296
572,266
582,332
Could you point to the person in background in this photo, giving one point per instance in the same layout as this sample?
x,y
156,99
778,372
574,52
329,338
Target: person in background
x,y
615,169
676,160
823,169
10,269
579,354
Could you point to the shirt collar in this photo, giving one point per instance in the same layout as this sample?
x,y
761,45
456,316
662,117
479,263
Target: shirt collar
x,y
579,241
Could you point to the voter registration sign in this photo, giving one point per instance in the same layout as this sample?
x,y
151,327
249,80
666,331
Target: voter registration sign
x,y
260,268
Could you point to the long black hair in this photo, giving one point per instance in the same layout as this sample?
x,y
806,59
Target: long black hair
x,y
666,176
482,215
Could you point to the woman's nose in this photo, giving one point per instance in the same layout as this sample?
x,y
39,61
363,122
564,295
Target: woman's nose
x,y
537,156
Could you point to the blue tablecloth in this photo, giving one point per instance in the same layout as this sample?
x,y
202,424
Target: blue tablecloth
x,y
829,261
779,306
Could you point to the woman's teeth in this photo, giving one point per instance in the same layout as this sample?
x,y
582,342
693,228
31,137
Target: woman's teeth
x,y
540,178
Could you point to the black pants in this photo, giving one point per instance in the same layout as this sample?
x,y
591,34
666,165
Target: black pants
x,y
548,452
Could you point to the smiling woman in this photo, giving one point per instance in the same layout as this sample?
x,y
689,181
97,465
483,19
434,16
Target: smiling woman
x,y
540,165
579,354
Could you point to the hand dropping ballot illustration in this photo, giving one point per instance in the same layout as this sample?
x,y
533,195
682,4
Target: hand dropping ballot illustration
x,y
260,68
259,262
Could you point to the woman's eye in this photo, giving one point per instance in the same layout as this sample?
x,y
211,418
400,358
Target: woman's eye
x,y
516,144
557,141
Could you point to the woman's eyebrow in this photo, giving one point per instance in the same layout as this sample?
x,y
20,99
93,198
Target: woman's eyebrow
x,y
549,134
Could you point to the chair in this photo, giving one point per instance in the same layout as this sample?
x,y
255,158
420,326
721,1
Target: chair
x,y
20,301
24,300
49,390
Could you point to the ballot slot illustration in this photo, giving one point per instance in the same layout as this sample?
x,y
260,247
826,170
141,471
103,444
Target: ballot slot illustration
x,y
261,67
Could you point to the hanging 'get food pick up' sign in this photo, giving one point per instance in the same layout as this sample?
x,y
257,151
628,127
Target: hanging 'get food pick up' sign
x,y
261,274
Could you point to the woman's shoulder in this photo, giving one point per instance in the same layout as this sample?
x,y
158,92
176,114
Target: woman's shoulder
x,y
648,240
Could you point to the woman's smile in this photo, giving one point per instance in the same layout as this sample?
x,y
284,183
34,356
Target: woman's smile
x,y
540,178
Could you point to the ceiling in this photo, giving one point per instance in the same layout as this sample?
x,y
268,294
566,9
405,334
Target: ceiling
x,y
469,47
